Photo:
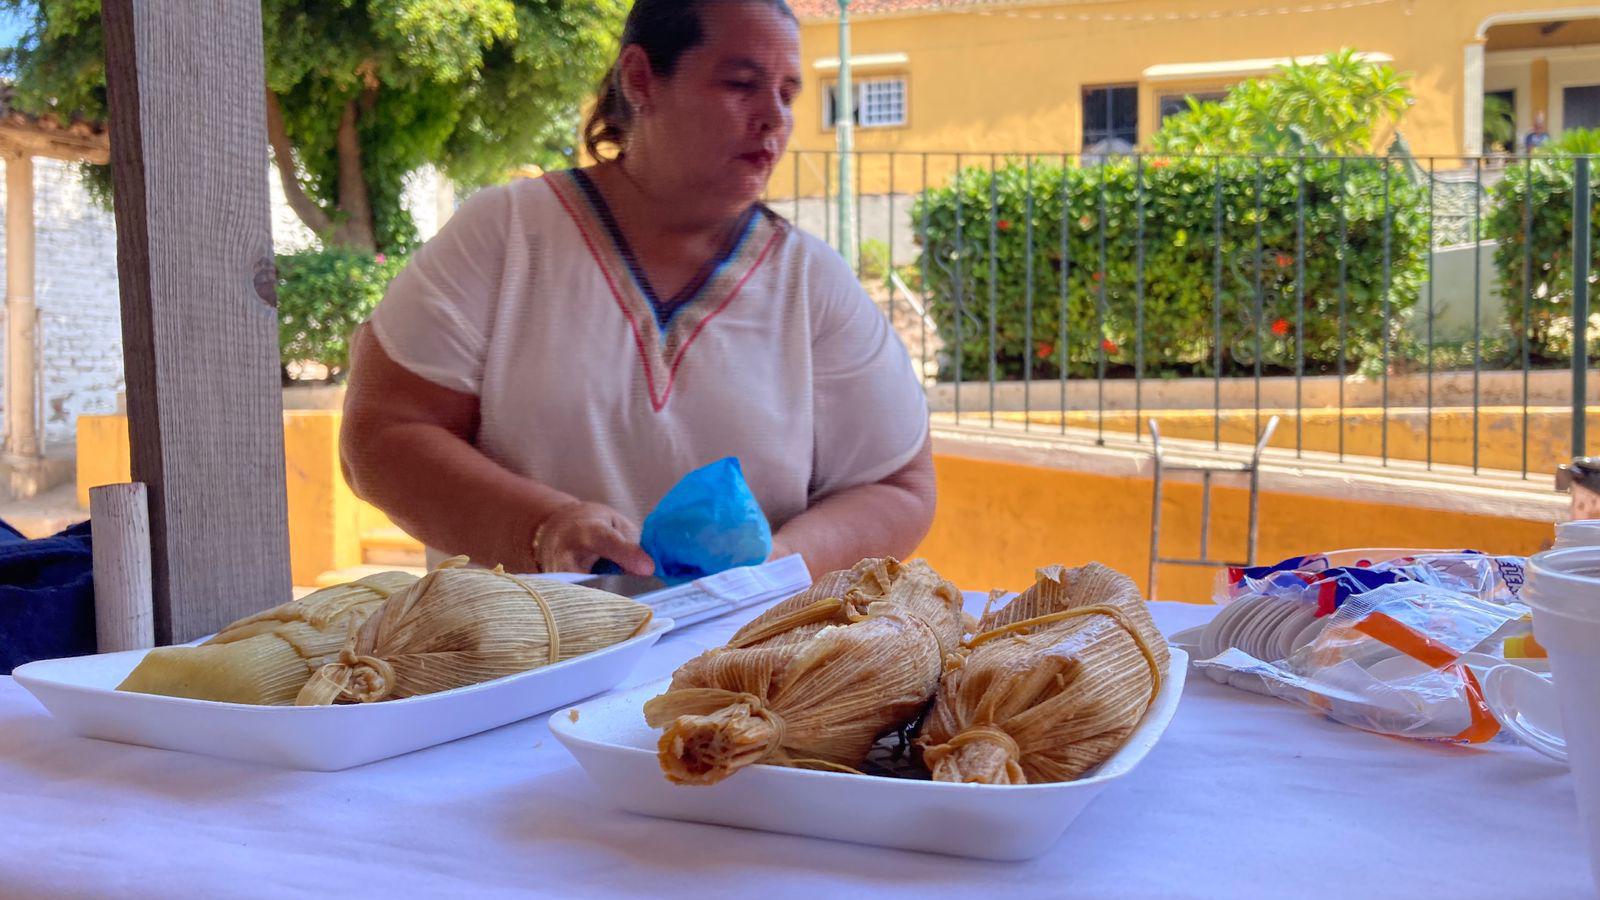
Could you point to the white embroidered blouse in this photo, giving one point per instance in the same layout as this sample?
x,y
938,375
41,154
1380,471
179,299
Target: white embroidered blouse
x,y
530,299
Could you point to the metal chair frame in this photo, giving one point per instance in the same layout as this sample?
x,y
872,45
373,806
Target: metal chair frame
x,y
1252,469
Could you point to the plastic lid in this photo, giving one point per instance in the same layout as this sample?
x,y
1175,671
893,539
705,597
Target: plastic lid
x,y
1565,583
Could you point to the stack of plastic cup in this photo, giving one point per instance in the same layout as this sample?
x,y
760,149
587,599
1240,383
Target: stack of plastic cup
x,y
1579,533
1564,591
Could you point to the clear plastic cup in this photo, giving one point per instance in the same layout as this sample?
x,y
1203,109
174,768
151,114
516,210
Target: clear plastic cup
x,y
1580,533
1564,592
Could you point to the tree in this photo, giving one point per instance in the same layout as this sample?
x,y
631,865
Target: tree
x,y
360,93
1341,104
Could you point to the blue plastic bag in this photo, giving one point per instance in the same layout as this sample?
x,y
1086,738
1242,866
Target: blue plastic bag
x,y
707,523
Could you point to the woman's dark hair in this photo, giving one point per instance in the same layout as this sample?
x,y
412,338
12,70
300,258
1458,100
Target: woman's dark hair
x,y
665,30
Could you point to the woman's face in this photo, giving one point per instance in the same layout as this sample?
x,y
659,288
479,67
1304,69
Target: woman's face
x,y
722,120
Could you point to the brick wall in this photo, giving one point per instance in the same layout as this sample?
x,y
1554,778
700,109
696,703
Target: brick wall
x,y
75,270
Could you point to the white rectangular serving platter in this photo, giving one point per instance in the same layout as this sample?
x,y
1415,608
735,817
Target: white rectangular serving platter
x,y
81,693
610,739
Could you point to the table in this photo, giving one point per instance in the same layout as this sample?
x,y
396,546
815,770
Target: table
x,y
1245,796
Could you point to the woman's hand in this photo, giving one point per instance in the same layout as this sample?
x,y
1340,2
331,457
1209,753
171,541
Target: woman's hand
x,y
576,536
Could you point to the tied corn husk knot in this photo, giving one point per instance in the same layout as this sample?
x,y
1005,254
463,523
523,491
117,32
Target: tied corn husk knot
x,y
1051,686
267,658
983,752
371,679
815,680
713,730
461,626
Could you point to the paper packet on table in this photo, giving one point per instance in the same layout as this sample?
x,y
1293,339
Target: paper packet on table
x,y
1389,662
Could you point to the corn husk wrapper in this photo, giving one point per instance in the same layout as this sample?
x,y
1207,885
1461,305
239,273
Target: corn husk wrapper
x,y
1053,699
815,680
461,626
843,597
267,658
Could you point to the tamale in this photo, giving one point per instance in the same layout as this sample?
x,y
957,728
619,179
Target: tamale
x,y
1051,686
843,597
268,657
815,680
461,626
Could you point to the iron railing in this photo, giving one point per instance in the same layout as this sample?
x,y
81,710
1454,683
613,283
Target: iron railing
x,y
1402,289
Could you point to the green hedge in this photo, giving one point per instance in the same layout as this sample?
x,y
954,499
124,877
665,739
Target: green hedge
x,y
1549,242
1179,258
322,296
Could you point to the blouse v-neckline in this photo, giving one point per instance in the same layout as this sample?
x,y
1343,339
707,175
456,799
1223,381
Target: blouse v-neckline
x,y
664,329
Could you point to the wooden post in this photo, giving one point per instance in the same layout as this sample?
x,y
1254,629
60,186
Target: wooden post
x,y
199,308
119,523
22,442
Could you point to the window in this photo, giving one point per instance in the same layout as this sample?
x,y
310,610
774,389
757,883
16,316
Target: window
x,y
1172,104
1110,116
1580,106
883,102
879,103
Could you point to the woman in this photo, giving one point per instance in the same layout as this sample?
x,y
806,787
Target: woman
x,y
567,348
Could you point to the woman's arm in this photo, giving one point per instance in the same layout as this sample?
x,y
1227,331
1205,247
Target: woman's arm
x,y
891,517
406,447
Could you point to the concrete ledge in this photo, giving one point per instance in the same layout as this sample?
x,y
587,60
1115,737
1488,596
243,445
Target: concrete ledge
x,y
1549,387
25,477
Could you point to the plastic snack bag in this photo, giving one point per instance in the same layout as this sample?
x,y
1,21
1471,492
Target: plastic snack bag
x,y
1388,661
709,522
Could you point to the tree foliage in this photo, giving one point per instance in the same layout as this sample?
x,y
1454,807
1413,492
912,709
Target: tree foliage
x,y
1531,220
360,93
322,296
1223,176
1341,104
1204,281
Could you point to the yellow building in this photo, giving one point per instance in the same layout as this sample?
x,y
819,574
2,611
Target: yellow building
x,y
981,77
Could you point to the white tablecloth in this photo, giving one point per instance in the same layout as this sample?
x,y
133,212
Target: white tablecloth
x,y
1244,797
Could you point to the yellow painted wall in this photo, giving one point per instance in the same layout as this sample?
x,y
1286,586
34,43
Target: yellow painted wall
x,y
324,516
997,522
1008,78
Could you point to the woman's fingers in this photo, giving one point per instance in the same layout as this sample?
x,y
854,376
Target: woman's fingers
x,y
577,537
626,552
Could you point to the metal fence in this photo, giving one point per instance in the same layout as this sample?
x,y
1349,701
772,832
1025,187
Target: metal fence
x,y
1402,289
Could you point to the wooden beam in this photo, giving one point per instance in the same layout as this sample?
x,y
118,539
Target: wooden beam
x,y
22,316
199,307
28,140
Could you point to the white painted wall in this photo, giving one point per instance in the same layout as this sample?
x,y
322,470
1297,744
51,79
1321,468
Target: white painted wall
x,y
76,271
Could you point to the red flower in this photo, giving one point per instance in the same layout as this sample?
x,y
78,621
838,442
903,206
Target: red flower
x,y
1085,222
1280,327
1108,345
1284,260
380,259
1096,276
1160,163
1003,224
1046,349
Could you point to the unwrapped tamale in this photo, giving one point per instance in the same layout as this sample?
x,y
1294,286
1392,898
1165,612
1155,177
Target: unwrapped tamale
x,y
1051,686
461,626
268,657
815,680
